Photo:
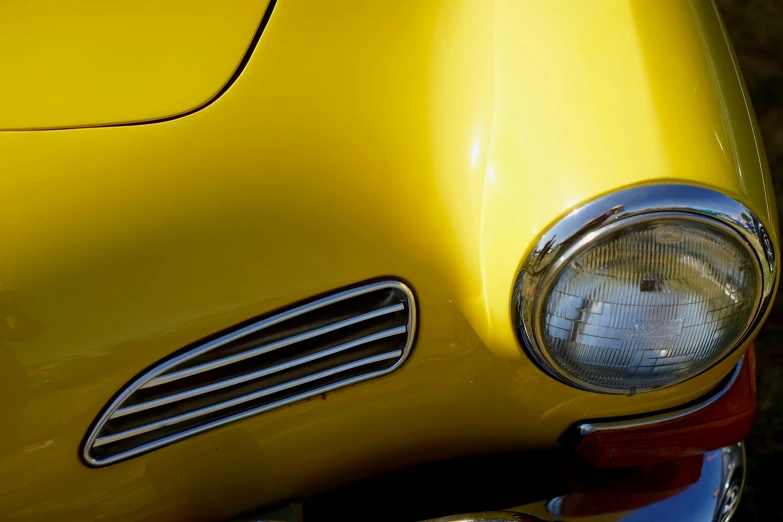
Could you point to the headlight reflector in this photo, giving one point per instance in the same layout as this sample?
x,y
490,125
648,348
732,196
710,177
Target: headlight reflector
x,y
636,301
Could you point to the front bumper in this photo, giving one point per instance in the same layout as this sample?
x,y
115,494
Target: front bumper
x,y
659,467
713,495
698,488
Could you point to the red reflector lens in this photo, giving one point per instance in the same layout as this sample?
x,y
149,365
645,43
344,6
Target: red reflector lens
x,y
721,423
641,487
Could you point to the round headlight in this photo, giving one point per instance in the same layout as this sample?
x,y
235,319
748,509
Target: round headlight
x,y
644,288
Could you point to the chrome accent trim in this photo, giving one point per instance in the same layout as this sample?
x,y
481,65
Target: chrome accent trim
x,y
589,427
275,319
266,348
243,398
595,218
245,414
733,460
255,375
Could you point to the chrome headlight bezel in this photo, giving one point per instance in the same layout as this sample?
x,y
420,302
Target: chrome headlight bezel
x,y
602,216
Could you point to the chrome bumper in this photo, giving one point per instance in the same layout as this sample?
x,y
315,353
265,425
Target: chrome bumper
x,y
712,497
700,488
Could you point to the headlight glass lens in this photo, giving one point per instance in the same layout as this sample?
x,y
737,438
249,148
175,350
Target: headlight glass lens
x,y
646,304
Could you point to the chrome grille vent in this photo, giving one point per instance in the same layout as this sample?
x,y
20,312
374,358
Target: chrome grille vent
x,y
338,340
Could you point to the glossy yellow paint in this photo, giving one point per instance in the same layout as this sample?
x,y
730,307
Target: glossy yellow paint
x,y
89,62
431,141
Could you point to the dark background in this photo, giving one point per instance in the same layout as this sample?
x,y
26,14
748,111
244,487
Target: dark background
x,y
756,29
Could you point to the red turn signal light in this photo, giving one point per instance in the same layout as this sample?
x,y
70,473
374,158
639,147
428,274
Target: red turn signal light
x,y
723,420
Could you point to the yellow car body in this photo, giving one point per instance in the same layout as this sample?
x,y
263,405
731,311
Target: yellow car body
x,y
431,142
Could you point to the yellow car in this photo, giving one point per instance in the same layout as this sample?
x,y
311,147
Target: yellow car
x,y
377,260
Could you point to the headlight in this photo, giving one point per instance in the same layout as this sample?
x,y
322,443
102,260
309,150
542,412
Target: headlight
x,y
644,288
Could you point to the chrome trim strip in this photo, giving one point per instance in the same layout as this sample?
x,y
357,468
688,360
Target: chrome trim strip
x,y
239,416
274,319
266,348
255,375
594,218
588,427
242,399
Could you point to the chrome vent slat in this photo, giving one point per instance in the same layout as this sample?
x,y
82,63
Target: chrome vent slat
x,y
348,337
243,398
239,416
268,348
225,415
255,375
